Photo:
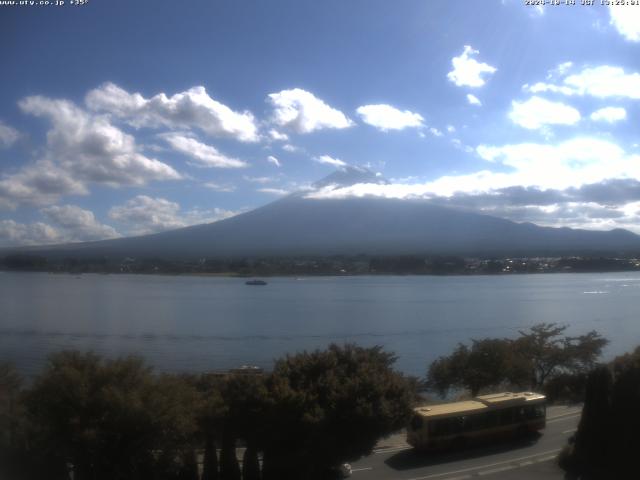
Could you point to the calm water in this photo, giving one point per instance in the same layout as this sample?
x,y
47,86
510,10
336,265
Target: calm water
x,y
201,323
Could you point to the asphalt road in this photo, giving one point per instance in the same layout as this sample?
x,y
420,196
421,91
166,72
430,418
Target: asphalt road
x,y
527,460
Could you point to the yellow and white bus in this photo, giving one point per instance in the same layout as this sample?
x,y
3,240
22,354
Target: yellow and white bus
x,y
485,417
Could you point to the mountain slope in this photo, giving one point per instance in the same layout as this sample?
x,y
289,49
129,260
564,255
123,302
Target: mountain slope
x,y
296,225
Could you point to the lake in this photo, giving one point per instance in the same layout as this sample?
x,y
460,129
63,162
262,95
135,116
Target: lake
x,y
191,323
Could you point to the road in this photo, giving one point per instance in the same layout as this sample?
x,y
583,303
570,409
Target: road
x,y
393,459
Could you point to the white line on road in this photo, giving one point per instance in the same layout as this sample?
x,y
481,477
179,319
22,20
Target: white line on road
x,y
478,467
562,419
496,470
361,469
565,414
393,449
571,430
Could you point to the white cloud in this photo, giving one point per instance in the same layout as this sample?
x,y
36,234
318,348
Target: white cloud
x,y
220,187
70,224
302,112
609,114
537,112
13,233
574,163
204,155
278,136
193,108
290,148
604,81
560,70
8,135
451,128
626,20
274,191
327,160
385,117
473,100
38,184
77,225
143,214
88,148
467,71
435,132
273,160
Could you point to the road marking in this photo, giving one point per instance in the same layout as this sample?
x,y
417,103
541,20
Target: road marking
x,y
496,470
361,469
572,412
555,420
505,462
392,449
571,430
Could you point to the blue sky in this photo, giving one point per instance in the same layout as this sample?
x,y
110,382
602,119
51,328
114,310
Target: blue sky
x,y
121,118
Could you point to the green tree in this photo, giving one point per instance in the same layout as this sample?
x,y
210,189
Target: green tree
x,y
547,352
329,407
606,443
108,419
487,363
530,361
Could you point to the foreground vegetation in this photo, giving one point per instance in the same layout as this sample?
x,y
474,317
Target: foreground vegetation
x,y
117,420
607,442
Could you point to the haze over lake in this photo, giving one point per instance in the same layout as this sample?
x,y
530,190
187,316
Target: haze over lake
x,y
186,323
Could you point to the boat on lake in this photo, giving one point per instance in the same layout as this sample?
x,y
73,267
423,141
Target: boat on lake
x,y
255,282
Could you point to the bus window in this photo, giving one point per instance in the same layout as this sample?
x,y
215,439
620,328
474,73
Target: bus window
x,y
492,419
506,416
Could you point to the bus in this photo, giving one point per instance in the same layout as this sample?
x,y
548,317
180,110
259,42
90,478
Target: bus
x,y
483,418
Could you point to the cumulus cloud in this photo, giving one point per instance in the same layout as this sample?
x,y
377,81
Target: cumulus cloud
x,y
8,135
385,117
595,184
76,224
473,100
89,148
278,136
609,114
193,108
201,154
38,184
143,214
302,112
290,148
327,160
604,81
574,163
538,112
467,71
13,233
626,20
274,161
66,223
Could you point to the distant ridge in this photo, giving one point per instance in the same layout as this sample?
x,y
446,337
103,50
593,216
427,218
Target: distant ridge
x,y
296,226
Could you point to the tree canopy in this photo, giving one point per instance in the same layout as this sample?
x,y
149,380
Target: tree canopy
x,y
118,420
528,361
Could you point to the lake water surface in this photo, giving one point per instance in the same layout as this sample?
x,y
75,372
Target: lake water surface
x,y
186,323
